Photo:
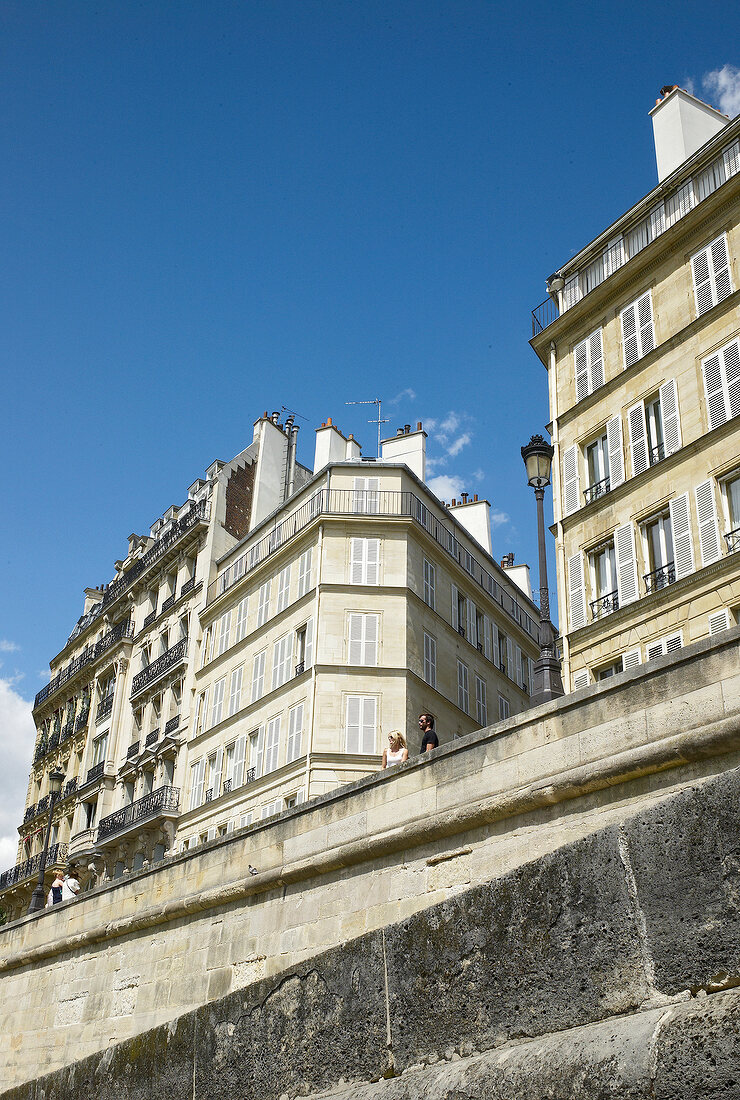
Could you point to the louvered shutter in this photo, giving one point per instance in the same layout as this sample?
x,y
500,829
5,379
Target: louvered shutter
x,y
638,438
218,701
454,616
731,158
645,323
616,452
430,660
259,752
283,588
356,567
241,619
510,658
463,695
576,592
657,221
486,637
212,831
355,638
304,573
581,679
263,609
630,341
683,551
703,296
731,361
630,659
308,655
655,649
495,655
372,560
240,754
714,391
370,641
674,642
708,531
217,773
571,493
582,382
720,269
596,356
235,690
258,675
668,394
369,725
272,744
295,730
519,671
719,621
624,543
470,627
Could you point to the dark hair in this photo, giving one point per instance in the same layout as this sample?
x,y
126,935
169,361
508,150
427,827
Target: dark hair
x,y
429,715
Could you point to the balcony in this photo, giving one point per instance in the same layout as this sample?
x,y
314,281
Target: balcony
x,y
158,668
70,787
543,315
117,634
656,454
30,868
30,812
41,750
604,605
598,489
187,587
68,730
152,738
660,578
54,742
95,771
105,706
149,619
172,724
43,804
732,538
163,801
82,718
168,603
132,751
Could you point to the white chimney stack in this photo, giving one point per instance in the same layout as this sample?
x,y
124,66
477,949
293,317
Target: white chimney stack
x,y
475,516
331,446
407,447
681,125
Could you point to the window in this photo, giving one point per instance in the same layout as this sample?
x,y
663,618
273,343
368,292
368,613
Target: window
x,y
257,750
224,629
430,660
258,676
658,552
731,493
603,568
503,707
504,646
219,688
669,644
213,775
365,496
282,655
235,692
430,581
363,638
201,710
481,708
235,757
710,269
263,605
283,588
637,329
241,620
597,466
722,384
654,428
304,573
205,646
364,561
272,745
304,647
100,747
197,779
295,733
360,727
463,695
459,611
589,361
706,511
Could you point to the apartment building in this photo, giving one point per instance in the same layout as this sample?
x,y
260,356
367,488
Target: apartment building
x,y
256,647
639,335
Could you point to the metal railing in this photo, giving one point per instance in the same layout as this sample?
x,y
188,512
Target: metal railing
x,y
168,603
105,706
152,738
300,667
70,787
187,587
95,771
149,619
172,724
660,578
31,811
159,667
656,454
732,538
329,502
82,718
604,605
53,742
165,800
119,632
43,804
68,729
598,489
132,750
30,868
543,315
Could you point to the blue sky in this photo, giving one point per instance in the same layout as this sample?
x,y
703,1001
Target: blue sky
x,y
212,209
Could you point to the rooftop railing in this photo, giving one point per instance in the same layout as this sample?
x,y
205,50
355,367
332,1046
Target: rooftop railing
x,y
165,800
371,503
119,632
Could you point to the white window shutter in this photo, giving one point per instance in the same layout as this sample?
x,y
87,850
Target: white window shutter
x,y
495,656
240,755
630,340
352,723
616,452
571,493
576,592
581,679
674,642
668,394
645,323
370,648
487,637
295,730
630,659
706,511
308,655
731,159
655,649
355,638
372,560
703,296
519,670
356,563
657,221
624,542
510,658
259,752
580,354
596,357
714,391
683,550
212,831
217,773
368,740
470,627
719,621
720,268
454,617
638,438
731,363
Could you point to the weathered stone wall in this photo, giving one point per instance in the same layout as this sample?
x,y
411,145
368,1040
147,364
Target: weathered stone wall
x,y
501,807
571,976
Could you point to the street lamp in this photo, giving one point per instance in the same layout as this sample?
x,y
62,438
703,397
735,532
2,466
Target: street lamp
x,y
548,684
38,898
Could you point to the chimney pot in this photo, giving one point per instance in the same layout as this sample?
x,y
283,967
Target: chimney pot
x,y
406,429
475,497
328,421
453,503
464,497
399,431
418,425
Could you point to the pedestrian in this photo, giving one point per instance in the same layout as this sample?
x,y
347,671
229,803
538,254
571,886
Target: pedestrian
x,y
57,887
397,750
71,887
429,739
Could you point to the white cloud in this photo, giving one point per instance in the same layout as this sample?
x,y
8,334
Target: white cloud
x,y
8,647
433,463
407,393
498,518
478,474
724,85
19,735
446,486
461,441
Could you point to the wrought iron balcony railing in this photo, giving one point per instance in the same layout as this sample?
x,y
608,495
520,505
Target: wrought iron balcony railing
x,y
132,751
105,706
168,603
152,738
43,804
70,787
543,315
82,718
30,868
732,538
31,811
159,667
54,742
117,634
149,619
598,489
41,750
656,454
300,667
95,771
660,578
187,587
165,800
68,729
604,605
172,724
369,502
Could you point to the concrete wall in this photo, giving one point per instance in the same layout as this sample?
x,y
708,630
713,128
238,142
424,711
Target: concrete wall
x,y
142,950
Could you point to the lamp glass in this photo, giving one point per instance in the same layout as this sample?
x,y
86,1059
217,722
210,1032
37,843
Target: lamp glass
x,y
537,457
55,781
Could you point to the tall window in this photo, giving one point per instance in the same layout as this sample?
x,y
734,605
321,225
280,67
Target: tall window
x,y
363,638
463,694
364,561
272,745
430,582
589,361
197,780
604,580
654,428
282,655
241,620
304,647
263,604
658,547
722,384
732,501
257,750
304,573
235,692
503,707
365,495
295,733
481,706
637,329
283,588
360,728
224,629
430,660
710,268
258,676
235,757
217,710
597,465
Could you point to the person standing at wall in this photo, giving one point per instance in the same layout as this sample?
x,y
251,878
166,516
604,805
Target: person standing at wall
x,y
429,739
397,751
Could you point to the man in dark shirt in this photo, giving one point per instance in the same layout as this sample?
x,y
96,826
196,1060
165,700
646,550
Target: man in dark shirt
x,y
429,739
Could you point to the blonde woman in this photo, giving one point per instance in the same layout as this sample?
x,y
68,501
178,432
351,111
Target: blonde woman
x,y
397,751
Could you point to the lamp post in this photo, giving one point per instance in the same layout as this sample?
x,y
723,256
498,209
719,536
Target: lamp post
x,y
548,683
38,898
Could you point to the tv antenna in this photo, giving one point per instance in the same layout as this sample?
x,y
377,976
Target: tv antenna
x,y
374,401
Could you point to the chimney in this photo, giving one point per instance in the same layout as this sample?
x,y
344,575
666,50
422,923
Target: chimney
x,y
407,447
519,574
681,125
93,596
354,450
331,446
475,517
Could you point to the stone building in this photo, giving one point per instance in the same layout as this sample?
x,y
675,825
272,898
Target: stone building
x,y
254,649
640,338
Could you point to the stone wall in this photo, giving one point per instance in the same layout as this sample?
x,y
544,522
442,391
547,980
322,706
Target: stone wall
x,y
541,826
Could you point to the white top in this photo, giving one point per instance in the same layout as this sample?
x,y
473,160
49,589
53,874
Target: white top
x,y
394,757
